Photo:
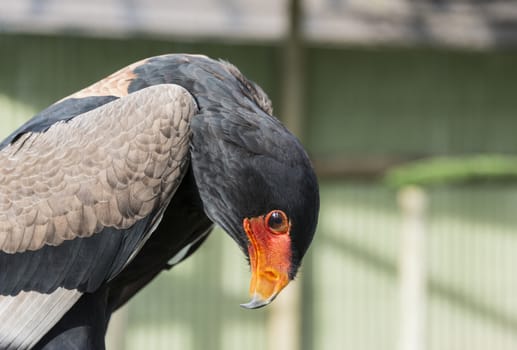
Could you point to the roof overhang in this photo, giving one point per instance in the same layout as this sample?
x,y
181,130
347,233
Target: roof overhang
x,y
460,23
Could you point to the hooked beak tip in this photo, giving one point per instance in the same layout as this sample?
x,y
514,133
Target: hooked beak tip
x,y
257,302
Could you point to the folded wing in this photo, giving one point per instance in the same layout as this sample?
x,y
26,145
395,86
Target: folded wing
x,y
79,197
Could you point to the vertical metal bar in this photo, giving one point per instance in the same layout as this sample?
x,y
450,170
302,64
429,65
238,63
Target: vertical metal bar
x,y
283,326
306,305
117,330
412,267
287,326
293,91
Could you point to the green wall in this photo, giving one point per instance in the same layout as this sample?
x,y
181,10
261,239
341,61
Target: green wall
x,y
411,101
359,101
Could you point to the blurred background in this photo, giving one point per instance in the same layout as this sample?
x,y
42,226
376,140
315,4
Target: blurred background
x,y
408,110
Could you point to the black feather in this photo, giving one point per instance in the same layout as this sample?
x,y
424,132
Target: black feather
x,y
82,263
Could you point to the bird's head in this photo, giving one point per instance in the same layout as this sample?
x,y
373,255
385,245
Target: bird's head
x,y
254,178
280,228
267,202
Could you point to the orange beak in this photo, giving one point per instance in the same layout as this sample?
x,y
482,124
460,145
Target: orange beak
x,y
270,259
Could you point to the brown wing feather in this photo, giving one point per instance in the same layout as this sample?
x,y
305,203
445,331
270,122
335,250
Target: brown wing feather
x,y
116,84
106,168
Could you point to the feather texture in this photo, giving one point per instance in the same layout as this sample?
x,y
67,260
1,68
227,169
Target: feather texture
x,y
29,315
115,84
76,203
93,171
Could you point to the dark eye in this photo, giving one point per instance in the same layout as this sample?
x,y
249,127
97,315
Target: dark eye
x,y
277,222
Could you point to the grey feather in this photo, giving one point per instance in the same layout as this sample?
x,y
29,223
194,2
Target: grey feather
x,y
48,198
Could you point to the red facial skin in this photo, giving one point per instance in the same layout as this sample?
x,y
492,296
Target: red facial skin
x,y
270,255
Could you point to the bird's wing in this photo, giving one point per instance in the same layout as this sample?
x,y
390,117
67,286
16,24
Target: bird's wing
x,y
78,199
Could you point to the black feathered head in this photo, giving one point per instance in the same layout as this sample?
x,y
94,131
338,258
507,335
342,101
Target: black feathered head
x,y
254,177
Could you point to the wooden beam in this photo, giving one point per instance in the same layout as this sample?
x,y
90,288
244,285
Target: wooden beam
x,y
478,24
361,167
466,24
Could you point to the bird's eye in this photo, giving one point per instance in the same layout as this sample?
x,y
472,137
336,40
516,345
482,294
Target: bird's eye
x,y
277,222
